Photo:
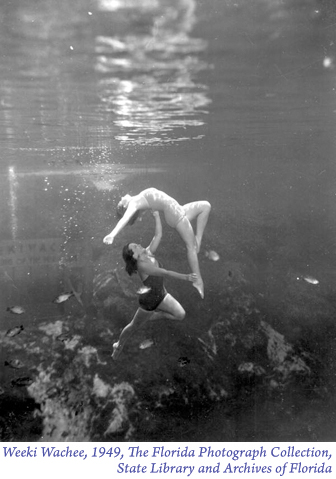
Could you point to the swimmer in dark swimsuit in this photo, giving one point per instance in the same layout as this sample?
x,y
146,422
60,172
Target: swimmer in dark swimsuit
x,y
156,303
176,216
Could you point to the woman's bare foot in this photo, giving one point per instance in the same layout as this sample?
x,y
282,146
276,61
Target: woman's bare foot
x,y
200,288
117,348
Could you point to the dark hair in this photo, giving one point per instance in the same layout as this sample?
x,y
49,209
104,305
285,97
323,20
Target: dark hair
x,y
121,210
131,263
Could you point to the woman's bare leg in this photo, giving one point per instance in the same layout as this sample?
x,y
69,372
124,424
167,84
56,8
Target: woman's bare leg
x,y
140,317
169,308
201,211
186,232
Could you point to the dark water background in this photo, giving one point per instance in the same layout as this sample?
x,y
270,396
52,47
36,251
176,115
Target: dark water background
x,y
229,101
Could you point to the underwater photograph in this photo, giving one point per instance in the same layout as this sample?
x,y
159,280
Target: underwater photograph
x,y
168,221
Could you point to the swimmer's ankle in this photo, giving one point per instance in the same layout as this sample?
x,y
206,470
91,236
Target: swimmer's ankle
x,y
117,348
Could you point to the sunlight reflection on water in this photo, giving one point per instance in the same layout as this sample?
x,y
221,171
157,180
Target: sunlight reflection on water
x,y
149,81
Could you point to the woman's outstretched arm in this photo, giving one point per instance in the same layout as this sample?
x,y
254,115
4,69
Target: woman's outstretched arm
x,y
131,209
152,270
153,246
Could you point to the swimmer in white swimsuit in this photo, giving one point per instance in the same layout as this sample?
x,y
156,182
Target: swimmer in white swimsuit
x,y
176,216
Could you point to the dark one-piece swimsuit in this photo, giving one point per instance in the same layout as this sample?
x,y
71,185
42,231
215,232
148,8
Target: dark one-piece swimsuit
x,y
151,300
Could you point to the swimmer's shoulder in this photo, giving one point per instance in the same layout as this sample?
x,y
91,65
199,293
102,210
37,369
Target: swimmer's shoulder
x,y
142,266
149,259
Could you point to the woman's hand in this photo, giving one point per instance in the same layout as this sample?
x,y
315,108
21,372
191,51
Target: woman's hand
x,y
108,239
155,213
192,277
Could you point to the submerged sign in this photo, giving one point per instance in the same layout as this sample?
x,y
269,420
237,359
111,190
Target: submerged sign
x,y
30,252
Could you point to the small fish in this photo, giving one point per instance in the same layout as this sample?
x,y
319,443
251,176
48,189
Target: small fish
x,y
2,391
63,337
212,255
143,290
311,280
23,381
147,343
16,309
183,361
52,391
14,363
14,331
63,297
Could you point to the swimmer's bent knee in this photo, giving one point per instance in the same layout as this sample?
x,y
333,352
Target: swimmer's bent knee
x,y
206,206
180,315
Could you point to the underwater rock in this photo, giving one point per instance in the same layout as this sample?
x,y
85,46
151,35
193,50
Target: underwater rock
x,y
20,419
100,389
241,334
273,384
65,416
281,354
83,397
161,392
121,394
88,354
251,369
52,329
231,339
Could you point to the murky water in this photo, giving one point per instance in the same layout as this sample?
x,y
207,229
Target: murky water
x,y
229,101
